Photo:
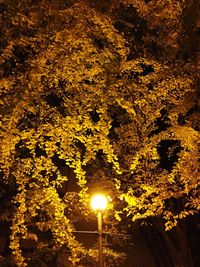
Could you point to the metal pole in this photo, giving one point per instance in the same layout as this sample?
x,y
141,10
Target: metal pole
x,y
100,233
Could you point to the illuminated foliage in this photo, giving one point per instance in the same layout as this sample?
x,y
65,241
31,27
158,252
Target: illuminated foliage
x,y
110,91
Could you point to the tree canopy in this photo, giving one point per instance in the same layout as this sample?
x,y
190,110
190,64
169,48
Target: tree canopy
x,y
102,94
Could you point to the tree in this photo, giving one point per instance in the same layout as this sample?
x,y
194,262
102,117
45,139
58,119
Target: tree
x,y
107,90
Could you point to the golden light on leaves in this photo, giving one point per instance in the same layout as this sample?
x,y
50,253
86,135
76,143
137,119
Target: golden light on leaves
x,y
95,97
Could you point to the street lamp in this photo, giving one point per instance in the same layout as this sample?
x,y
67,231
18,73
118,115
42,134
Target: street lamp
x,y
99,203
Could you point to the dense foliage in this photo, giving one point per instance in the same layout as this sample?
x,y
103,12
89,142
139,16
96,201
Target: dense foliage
x,y
105,93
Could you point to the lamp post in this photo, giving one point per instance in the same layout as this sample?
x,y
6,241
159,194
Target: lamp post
x,y
99,203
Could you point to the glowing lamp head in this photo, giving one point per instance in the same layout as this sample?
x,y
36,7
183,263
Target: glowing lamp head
x,y
99,202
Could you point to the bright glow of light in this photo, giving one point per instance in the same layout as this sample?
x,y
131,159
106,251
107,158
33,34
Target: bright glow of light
x,y
99,202
109,198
